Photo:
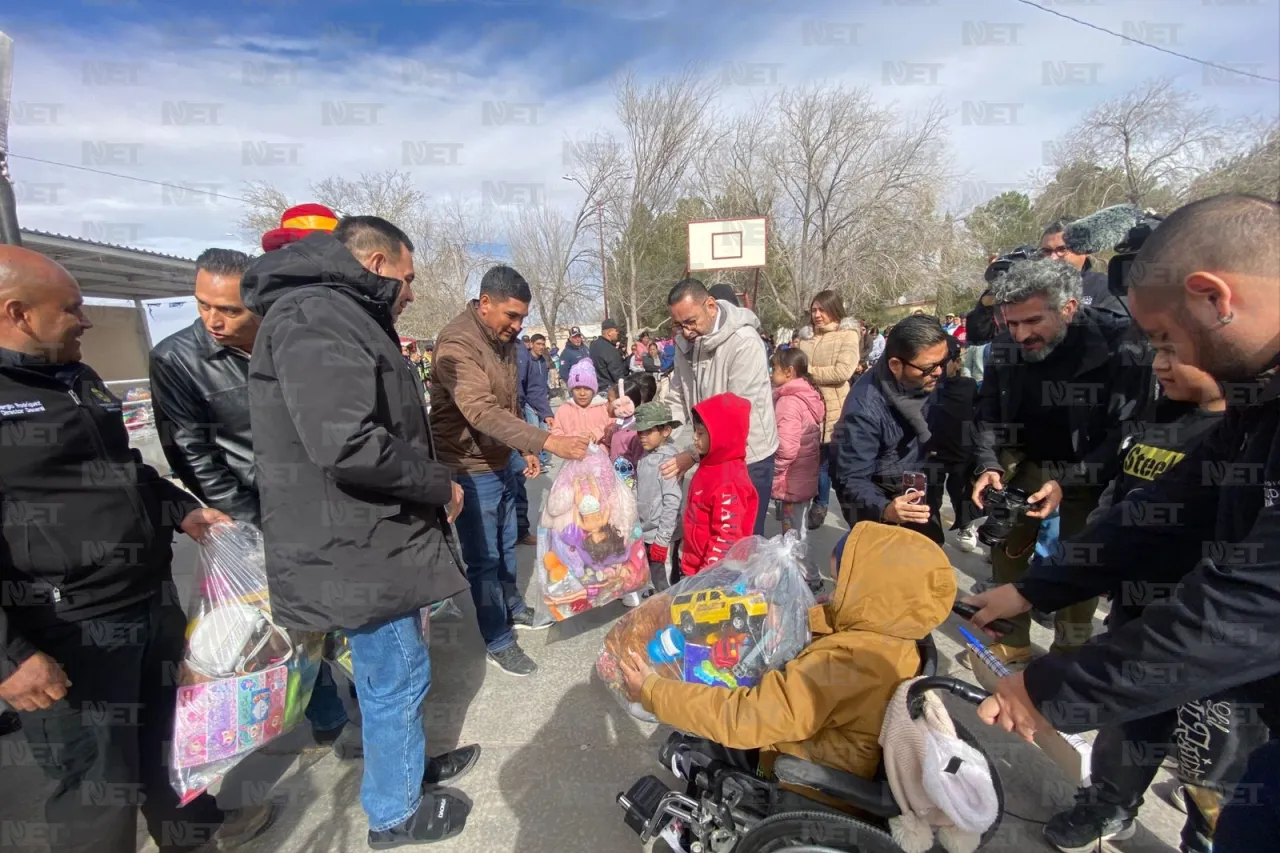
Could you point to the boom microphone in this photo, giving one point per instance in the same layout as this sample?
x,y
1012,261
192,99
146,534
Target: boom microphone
x,y
1101,231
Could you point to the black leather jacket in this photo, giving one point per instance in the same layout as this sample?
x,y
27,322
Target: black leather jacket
x,y
200,395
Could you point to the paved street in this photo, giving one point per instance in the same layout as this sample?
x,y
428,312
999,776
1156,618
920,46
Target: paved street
x,y
557,749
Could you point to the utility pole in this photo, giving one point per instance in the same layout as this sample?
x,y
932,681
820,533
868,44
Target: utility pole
x,y
604,264
9,233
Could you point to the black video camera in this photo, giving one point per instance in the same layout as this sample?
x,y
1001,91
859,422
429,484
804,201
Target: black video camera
x,y
1126,250
1004,509
1001,265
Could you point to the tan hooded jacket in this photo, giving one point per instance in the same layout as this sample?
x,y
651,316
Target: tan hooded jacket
x,y
833,351
894,587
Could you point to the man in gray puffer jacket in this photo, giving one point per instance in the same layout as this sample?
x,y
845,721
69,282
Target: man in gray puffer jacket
x,y
658,498
718,350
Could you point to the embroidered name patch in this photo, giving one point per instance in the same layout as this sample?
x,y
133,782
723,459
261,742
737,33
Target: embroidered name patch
x,y
13,410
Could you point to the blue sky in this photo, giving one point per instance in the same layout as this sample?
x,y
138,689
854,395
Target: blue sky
x,y
484,98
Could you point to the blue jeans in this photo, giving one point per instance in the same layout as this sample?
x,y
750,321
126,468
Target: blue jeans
x,y
393,672
761,474
325,711
518,467
487,533
531,416
824,475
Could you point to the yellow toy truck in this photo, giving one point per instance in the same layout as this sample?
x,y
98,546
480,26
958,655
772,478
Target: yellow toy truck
x,y
706,610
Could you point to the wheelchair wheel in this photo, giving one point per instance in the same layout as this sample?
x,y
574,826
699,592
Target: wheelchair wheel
x,y
815,832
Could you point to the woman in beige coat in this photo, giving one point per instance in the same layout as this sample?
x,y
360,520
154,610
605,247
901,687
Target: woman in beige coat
x,y
833,351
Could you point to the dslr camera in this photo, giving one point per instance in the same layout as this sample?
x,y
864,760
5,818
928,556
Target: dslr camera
x,y
1004,509
1001,265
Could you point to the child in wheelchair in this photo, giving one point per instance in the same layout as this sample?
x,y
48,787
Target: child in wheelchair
x,y
893,588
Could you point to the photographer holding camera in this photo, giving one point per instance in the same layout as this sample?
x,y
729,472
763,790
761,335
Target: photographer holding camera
x,y
1061,386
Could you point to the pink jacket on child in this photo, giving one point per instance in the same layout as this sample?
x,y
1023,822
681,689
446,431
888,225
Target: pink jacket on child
x,y
572,419
799,411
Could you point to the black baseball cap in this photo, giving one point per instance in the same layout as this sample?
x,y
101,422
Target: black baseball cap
x,y
607,325
575,332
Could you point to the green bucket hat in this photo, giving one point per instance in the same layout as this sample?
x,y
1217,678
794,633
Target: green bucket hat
x,y
652,415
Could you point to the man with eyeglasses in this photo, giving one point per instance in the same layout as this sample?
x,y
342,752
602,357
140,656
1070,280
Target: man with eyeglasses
x,y
1063,385
883,431
1095,292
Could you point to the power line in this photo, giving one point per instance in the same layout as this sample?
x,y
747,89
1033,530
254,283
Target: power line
x,y
1148,44
131,178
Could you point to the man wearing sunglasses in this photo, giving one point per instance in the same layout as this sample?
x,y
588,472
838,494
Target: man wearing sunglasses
x,y
1095,292
1062,385
883,430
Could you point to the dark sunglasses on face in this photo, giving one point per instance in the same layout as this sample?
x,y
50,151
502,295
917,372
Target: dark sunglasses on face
x,y
931,369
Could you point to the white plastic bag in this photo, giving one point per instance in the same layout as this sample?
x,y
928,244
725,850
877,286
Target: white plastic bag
x,y
244,681
726,626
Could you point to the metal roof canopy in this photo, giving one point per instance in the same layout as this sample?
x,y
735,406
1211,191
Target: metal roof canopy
x,y
116,272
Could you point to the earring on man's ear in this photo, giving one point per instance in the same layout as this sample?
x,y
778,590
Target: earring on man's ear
x,y
1227,318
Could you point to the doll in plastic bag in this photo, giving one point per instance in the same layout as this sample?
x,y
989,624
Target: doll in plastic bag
x,y
244,681
590,550
726,626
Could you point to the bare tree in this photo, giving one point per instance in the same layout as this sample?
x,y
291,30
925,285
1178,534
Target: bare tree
x,y
449,237
856,184
545,247
1154,136
1254,167
664,125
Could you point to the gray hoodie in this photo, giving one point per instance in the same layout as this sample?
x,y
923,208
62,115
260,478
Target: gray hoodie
x,y
657,498
732,359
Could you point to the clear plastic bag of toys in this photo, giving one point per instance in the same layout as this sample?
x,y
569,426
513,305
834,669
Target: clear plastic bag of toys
x,y
590,550
244,680
726,626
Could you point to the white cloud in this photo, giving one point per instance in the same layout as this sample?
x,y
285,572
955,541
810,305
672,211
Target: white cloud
x,y
285,96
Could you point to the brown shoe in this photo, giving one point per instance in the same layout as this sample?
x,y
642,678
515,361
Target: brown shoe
x,y
1012,657
527,539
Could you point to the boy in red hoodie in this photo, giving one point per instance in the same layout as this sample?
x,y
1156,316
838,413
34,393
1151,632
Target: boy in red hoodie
x,y
722,503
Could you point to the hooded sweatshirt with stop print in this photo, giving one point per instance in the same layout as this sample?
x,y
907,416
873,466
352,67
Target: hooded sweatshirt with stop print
x,y
722,502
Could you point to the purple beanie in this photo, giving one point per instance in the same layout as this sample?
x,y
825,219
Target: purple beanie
x,y
583,375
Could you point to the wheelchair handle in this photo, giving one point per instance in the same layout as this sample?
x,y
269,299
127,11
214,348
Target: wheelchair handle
x,y
966,691
968,611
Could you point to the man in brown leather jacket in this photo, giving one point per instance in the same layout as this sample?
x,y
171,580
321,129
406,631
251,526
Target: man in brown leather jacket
x,y
478,424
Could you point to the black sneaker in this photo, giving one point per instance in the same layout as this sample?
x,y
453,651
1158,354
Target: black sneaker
x,y
513,661
451,766
241,826
1081,828
817,515
523,621
440,816
1044,620
349,744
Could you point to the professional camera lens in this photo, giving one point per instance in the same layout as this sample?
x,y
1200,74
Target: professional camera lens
x,y
1004,509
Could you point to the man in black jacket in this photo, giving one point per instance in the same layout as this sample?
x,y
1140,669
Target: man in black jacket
x,y
200,396
574,351
90,627
353,500
1093,282
1061,387
605,356
1203,287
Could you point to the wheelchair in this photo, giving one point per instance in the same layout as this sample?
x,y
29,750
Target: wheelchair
x,y
727,810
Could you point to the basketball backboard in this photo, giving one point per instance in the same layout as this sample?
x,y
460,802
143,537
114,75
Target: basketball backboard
x,y
728,244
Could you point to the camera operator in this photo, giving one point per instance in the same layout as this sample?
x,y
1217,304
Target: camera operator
x,y
980,323
1093,282
1201,286
1060,387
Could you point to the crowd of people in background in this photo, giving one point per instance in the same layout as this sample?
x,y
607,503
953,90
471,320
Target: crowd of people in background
x,y
388,474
